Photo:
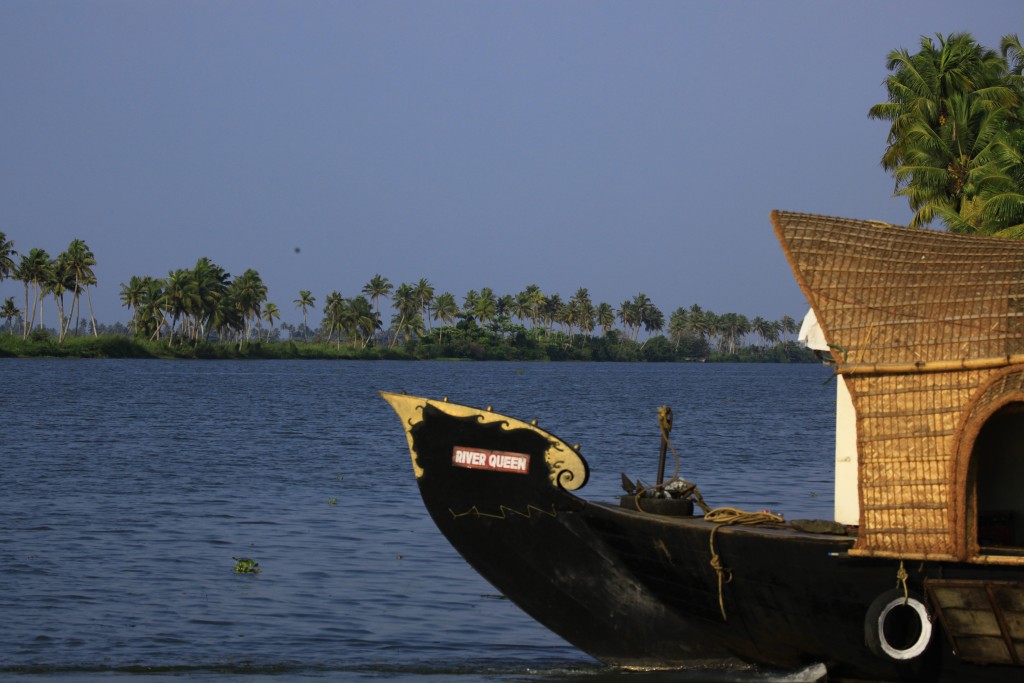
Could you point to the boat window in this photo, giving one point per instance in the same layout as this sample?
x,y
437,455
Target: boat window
x,y
998,468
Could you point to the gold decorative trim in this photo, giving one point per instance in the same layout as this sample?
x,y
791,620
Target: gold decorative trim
x,y
568,470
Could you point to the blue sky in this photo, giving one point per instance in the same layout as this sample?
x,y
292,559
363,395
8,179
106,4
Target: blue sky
x,y
620,146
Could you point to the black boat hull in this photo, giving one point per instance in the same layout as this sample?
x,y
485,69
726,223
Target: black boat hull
x,y
641,590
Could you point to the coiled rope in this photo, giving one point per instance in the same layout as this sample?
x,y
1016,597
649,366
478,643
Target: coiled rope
x,y
729,517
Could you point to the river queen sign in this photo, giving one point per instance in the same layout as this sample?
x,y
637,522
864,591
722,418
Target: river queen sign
x,y
497,461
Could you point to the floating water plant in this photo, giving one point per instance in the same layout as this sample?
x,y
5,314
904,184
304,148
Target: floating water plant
x,y
332,501
246,565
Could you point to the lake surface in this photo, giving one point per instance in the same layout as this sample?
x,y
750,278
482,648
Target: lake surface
x,y
127,488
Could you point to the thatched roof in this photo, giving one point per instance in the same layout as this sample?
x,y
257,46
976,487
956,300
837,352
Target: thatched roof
x,y
928,331
887,294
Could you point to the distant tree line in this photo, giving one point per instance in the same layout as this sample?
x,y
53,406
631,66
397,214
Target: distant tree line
x,y
206,305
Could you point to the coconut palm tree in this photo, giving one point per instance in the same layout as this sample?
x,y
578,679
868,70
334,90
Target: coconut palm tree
x,y
640,313
180,296
486,306
270,314
733,328
1000,204
407,305
227,320
766,330
469,303
305,302
377,287
678,326
446,309
948,106
59,279
424,293
605,317
582,311
7,255
33,270
249,293
212,283
653,320
79,262
360,320
334,309
700,322
788,325
9,312
131,296
533,302
551,311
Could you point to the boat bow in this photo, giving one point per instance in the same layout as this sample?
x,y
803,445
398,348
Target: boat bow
x,y
539,453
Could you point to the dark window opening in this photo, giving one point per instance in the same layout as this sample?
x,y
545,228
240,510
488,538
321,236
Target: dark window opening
x,y
998,468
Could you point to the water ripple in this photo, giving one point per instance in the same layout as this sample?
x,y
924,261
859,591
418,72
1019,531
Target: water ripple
x,y
118,531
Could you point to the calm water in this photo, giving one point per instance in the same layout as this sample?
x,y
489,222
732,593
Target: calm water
x,y
128,487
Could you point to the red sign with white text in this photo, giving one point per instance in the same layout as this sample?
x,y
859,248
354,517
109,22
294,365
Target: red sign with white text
x,y
496,461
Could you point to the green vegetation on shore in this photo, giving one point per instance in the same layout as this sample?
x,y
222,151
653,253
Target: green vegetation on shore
x,y
611,348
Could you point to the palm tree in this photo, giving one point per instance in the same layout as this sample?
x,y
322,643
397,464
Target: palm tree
x,y
640,312
424,293
551,311
249,293
700,322
446,309
59,279
504,306
334,308
152,318
533,302
80,261
131,296
407,305
33,270
767,330
469,303
227,317
949,106
7,255
9,312
360,320
521,307
654,321
678,326
270,314
583,313
377,287
629,317
733,327
212,283
1001,200
788,325
305,301
179,298
605,317
486,306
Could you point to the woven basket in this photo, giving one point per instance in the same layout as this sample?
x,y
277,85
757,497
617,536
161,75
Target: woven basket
x,y
927,328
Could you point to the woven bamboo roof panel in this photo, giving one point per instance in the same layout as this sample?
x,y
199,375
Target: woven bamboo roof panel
x,y
888,294
893,300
